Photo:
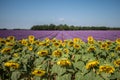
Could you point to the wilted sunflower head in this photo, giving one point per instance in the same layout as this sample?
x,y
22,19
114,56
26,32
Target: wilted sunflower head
x,y
64,62
91,64
42,53
118,40
57,53
106,69
117,63
38,72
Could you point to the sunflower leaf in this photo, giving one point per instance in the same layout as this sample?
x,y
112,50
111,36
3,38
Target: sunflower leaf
x,y
15,75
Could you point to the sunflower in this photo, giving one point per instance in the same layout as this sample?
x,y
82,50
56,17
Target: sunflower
x,y
15,55
104,46
42,52
91,64
90,39
24,42
19,49
54,40
7,64
43,44
63,44
47,39
118,40
70,43
76,46
39,72
6,50
11,38
2,41
66,51
109,42
30,48
106,69
31,37
15,65
112,54
60,41
10,44
91,48
64,62
12,65
1,38
37,42
57,53
75,40
31,41
117,48
65,41
56,44
117,63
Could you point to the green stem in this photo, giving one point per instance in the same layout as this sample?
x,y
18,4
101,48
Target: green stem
x,y
48,69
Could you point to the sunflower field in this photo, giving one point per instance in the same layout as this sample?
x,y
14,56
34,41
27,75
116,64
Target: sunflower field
x,y
53,59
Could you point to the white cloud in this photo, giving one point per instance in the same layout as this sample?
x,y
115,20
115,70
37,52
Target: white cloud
x,y
61,19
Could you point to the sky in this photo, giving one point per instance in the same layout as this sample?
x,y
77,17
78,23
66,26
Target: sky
x,y
23,14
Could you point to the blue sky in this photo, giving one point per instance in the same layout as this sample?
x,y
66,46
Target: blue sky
x,y
26,13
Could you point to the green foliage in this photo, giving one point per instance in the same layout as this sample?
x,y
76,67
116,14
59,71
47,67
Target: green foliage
x,y
15,75
22,63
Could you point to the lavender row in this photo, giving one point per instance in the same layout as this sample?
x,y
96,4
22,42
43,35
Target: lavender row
x,y
98,35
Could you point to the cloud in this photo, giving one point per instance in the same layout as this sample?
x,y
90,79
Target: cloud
x,y
61,19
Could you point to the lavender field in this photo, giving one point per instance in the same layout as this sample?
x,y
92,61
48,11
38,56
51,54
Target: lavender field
x,y
83,34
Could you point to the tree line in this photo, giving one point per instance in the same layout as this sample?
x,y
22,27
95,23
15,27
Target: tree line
x,y
72,27
66,27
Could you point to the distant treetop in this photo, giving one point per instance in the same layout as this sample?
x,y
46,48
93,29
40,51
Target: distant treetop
x,y
72,27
